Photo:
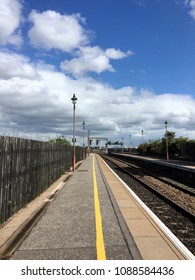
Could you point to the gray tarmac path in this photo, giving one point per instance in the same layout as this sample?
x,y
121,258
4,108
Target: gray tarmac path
x,y
67,230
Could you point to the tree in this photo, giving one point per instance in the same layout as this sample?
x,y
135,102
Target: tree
x,y
170,135
60,140
155,146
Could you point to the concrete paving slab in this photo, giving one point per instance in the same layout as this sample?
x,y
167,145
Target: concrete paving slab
x,y
128,213
141,227
153,248
126,203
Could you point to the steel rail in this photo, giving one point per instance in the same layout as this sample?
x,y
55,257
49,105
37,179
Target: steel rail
x,y
160,177
182,210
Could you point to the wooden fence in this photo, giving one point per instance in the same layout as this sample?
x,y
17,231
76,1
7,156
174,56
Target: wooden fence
x,y
27,168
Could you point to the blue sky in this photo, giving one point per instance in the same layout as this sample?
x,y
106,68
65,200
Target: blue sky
x,y
131,63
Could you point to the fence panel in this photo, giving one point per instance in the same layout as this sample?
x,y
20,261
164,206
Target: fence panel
x,y
27,168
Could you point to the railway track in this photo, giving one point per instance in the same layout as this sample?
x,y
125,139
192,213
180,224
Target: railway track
x,y
185,187
179,195
174,207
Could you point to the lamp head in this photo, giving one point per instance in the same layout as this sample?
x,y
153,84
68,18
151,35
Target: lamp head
x,y
74,99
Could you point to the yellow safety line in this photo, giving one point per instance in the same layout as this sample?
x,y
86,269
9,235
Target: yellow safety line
x,y
100,248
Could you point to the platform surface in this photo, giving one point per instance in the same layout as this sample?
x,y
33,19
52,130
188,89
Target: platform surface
x,y
68,228
93,217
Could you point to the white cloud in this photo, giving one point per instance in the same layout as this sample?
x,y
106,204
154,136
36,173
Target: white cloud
x,y
140,3
13,65
191,5
51,30
117,54
92,59
10,17
36,100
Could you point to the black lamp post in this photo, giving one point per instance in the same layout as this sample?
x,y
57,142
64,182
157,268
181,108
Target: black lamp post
x,y
74,101
83,123
142,136
88,148
167,144
130,143
142,132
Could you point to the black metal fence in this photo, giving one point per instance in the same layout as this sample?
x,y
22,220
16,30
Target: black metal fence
x,y
27,168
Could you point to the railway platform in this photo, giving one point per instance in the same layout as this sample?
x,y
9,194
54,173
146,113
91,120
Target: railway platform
x,y
174,162
89,214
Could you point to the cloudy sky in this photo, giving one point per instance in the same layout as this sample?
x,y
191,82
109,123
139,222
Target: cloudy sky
x,y
131,64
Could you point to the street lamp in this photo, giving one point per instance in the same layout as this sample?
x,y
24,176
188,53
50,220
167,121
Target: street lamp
x,y
88,148
83,123
130,143
122,146
142,141
74,101
166,135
